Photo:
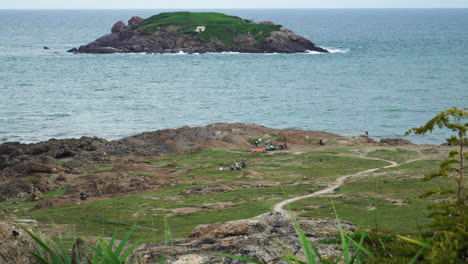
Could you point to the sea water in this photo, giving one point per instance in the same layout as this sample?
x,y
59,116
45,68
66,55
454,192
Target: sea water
x,y
388,70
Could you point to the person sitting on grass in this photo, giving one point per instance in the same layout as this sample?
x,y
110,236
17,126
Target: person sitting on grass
x,y
243,164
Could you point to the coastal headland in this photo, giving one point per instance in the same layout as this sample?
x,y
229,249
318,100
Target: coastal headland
x,y
198,32
181,178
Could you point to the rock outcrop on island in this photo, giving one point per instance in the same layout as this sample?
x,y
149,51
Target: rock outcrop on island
x,y
191,32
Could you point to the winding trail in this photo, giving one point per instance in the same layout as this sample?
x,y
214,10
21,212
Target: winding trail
x,y
333,186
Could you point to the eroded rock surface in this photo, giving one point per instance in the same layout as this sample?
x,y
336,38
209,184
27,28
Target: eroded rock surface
x,y
15,245
264,238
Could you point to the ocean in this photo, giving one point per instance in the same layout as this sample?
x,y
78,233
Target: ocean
x,y
389,70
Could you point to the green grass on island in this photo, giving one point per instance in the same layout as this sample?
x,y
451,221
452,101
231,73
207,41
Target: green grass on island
x,y
219,27
391,194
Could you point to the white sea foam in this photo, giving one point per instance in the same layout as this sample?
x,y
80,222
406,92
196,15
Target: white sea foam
x,y
224,52
332,50
313,52
179,53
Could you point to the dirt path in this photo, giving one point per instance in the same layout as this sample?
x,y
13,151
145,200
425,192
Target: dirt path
x,y
333,186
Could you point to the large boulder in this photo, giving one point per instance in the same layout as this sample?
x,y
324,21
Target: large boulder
x,y
134,21
118,27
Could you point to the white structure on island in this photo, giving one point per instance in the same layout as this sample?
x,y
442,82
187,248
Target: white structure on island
x,y
200,29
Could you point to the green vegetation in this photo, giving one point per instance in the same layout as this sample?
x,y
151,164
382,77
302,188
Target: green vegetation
x,y
108,252
193,190
389,194
219,27
398,155
269,178
447,241
352,248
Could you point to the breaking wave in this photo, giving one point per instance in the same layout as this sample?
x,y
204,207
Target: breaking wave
x,y
332,50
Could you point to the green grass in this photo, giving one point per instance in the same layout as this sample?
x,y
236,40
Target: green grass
x,y
288,175
394,155
275,176
336,151
219,27
384,192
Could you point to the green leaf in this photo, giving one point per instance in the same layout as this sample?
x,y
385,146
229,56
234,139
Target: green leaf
x,y
344,244
55,258
40,258
415,258
130,250
110,256
414,241
305,243
124,241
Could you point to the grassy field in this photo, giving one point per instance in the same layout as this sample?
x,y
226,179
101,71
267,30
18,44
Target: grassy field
x,y
219,27
196,191
388,198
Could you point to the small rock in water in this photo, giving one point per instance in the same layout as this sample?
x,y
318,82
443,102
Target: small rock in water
x,y
46,48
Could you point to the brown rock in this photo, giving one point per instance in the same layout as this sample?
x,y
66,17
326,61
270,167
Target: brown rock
x,y
36,196
46,168
395,141
118,27
61,177
134,21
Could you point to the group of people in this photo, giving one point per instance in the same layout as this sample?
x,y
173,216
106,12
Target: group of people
x,y
238,165
283,146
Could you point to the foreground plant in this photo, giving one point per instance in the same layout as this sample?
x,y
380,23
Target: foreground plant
x,y
448,242
453,166
103,252
351,250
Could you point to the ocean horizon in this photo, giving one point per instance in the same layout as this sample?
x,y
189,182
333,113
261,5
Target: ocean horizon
x,y
389,70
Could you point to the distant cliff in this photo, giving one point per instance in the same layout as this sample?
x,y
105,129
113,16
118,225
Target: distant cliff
x,y
198,33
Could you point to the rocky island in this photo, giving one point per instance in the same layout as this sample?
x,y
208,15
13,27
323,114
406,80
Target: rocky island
x,y
198,32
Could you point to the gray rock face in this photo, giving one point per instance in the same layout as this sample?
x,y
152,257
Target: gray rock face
x,y
15,245
286,40
118,27
264,238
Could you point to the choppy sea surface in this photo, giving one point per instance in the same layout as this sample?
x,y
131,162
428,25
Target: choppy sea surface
x,y
389,70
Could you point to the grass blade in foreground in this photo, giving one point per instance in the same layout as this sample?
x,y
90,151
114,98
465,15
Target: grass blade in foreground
x,y
248,260
55,258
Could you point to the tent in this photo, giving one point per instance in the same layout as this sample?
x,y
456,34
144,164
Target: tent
x,y
270,147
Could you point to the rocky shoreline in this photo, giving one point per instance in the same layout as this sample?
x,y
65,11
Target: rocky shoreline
x,y
132,38
54,162
27,171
